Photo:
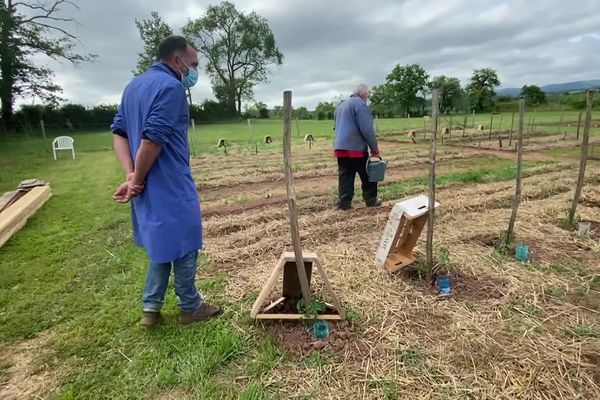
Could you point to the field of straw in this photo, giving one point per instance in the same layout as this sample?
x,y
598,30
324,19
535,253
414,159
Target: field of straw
x,y
510,330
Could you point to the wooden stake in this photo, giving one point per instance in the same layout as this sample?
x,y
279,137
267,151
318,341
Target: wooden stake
x,y
249,131
43,127
579,124
431,207
512,124
560,123
517,198
491,123
464,126
584,155
291,194
297,127
192,144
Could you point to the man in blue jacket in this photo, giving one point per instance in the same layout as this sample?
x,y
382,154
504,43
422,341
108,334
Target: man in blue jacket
x,y
354,135
150,140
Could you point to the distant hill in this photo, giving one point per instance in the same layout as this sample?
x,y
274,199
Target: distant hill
x,y
555,87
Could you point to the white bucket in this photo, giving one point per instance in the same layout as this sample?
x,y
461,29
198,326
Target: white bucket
x,y
584,228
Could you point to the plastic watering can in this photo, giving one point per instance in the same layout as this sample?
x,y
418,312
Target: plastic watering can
x,y
376,169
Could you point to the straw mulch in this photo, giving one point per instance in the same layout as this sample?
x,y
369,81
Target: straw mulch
x,y
511,330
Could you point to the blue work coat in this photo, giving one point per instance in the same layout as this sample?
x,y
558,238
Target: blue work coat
x,y
166,216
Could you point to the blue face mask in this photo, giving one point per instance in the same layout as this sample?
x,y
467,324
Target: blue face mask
x,y
191,78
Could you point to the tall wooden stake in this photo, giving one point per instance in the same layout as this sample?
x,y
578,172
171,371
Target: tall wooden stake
x,y
291,194
431,206
43,127
579,124
491,123
512,124
584,155
249,130
517,198
560,123
464,126
192,135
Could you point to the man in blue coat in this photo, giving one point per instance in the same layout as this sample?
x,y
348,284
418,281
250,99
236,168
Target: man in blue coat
x,y
354,136
150,140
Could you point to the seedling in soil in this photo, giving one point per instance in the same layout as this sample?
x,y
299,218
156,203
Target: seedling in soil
x,y
566,224
444,264
582,332
315,307
410,357
352,317
504,245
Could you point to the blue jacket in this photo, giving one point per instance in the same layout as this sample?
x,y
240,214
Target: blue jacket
x,y
166,215
354,126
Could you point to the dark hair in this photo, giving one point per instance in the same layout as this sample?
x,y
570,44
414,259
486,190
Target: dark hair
x,y
170,45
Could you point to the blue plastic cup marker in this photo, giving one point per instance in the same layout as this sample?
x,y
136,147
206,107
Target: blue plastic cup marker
x,y
522,252
443,284
321,329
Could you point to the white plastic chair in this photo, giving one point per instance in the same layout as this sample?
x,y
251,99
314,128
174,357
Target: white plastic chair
x,y
63,143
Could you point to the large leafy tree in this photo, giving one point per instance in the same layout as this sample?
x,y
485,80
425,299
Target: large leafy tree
x,y
239,49
325,110
533,94
152,32
481,89
30,28
381,105
406,85
451,92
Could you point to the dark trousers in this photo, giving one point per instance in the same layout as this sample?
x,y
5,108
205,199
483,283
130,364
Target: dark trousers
x,y
347,169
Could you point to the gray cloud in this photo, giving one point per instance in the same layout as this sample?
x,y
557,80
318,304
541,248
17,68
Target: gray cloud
x,y
330,46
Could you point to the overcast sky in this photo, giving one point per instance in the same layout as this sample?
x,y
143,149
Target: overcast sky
x,y
331,45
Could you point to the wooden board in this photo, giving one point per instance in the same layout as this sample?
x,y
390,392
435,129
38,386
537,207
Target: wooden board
x,y
395,262
15,217
9,198
259,312
330,317
292,288
307,256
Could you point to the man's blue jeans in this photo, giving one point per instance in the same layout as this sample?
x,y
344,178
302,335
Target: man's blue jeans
x,y
157,281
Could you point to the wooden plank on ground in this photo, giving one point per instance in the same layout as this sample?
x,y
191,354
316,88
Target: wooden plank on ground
x,y
9,198
15,217
330,317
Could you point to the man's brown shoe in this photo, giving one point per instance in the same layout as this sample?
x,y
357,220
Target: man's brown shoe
x,y
206,311
151,318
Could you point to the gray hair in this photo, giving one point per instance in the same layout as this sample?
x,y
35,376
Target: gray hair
x,y
361,90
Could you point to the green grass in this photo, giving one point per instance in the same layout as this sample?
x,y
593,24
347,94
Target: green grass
x,y
496,169
74,272
410,356
582,332
206,136
242,141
